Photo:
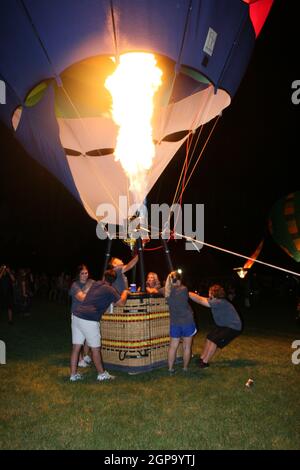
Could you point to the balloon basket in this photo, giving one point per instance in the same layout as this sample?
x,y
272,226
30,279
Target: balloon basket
x,y
135,338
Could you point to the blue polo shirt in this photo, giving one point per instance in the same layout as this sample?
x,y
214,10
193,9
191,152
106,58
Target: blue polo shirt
x,y
97,300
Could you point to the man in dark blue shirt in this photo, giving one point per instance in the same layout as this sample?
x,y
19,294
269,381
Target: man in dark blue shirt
x,y
85,322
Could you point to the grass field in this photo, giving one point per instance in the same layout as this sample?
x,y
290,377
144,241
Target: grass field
x,y
204,409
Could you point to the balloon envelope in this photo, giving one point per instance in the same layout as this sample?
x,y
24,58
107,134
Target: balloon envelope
x,y
284,224
56,56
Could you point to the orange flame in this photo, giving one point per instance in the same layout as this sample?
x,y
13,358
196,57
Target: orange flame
x,y
254,256
133,86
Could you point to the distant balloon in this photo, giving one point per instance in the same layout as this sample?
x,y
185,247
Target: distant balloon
x,y
284,224
57,55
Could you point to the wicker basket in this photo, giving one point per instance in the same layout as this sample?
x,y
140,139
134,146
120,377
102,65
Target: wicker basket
x,y
135,338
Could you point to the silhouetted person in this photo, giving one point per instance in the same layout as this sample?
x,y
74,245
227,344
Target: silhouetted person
x,y
7,281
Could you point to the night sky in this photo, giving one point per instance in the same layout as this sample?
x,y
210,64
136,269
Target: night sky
x,y
250,162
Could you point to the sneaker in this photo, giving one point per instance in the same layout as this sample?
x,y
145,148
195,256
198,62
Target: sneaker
x,y
75,377
203,364
87,359
82,363
105,376
171,371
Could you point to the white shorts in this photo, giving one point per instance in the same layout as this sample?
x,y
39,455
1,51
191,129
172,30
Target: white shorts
x,y
86,330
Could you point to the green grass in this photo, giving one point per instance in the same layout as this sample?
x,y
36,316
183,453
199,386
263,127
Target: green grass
x,y
204,409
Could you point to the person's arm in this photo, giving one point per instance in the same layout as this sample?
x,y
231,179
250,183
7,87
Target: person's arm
x,y
199,300
131,263
168,286
122,300
80,295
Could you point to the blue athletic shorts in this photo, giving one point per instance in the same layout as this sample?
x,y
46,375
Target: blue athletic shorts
x,y
183,331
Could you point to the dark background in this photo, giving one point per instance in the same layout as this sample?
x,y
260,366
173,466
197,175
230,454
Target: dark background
x,y
251,161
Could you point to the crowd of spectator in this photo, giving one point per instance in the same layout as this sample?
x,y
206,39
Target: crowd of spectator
x,y
18,288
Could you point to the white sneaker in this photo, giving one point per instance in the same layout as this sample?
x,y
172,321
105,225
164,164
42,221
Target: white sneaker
x,y
82,363
105,376
75,377
87,359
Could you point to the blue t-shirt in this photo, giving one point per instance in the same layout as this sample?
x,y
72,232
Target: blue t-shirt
x,y
97,300
224,314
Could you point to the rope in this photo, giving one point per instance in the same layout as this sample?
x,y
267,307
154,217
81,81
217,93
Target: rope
x,y
153,249
186,166
192,155
178,184
114,29
194,240
201,152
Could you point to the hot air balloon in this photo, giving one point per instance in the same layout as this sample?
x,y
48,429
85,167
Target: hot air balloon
x,y
56,57
284,224
103,94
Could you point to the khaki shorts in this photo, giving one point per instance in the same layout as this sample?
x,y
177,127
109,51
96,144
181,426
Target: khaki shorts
x,y
86,330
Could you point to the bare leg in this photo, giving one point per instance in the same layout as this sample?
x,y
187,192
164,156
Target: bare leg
x,y
96,353
80,356
206,348
74,358
212,347
187,350
84,351
174,343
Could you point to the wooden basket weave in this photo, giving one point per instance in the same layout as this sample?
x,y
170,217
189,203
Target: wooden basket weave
x,y
135,338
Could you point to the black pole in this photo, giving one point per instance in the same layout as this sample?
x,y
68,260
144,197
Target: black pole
x,y
133,271
167,254
107,255
141,263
